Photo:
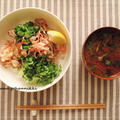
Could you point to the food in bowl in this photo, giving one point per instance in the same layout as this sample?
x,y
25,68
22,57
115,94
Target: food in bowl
x,y
101,53
34,50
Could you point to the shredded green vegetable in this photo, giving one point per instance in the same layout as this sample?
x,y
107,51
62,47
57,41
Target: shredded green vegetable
x,y
26,31
90,45
39,70
107,62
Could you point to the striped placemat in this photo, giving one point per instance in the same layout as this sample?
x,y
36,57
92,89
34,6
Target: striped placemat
x,y
77,86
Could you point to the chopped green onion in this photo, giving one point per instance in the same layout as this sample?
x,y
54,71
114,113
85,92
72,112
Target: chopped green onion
x,y
39,70
24,46
26,30
107,62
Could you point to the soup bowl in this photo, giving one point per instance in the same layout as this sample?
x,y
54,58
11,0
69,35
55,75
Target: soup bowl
x,y
101,53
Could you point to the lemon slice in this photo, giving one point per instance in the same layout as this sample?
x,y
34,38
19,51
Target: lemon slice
x,y
56,37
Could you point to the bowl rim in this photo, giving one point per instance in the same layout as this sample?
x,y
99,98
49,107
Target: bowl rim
x,y
117,75
70,42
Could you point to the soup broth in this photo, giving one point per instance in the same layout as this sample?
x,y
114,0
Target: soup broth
x,y
102,52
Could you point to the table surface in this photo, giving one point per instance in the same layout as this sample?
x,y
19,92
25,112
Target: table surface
x,y
77,86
